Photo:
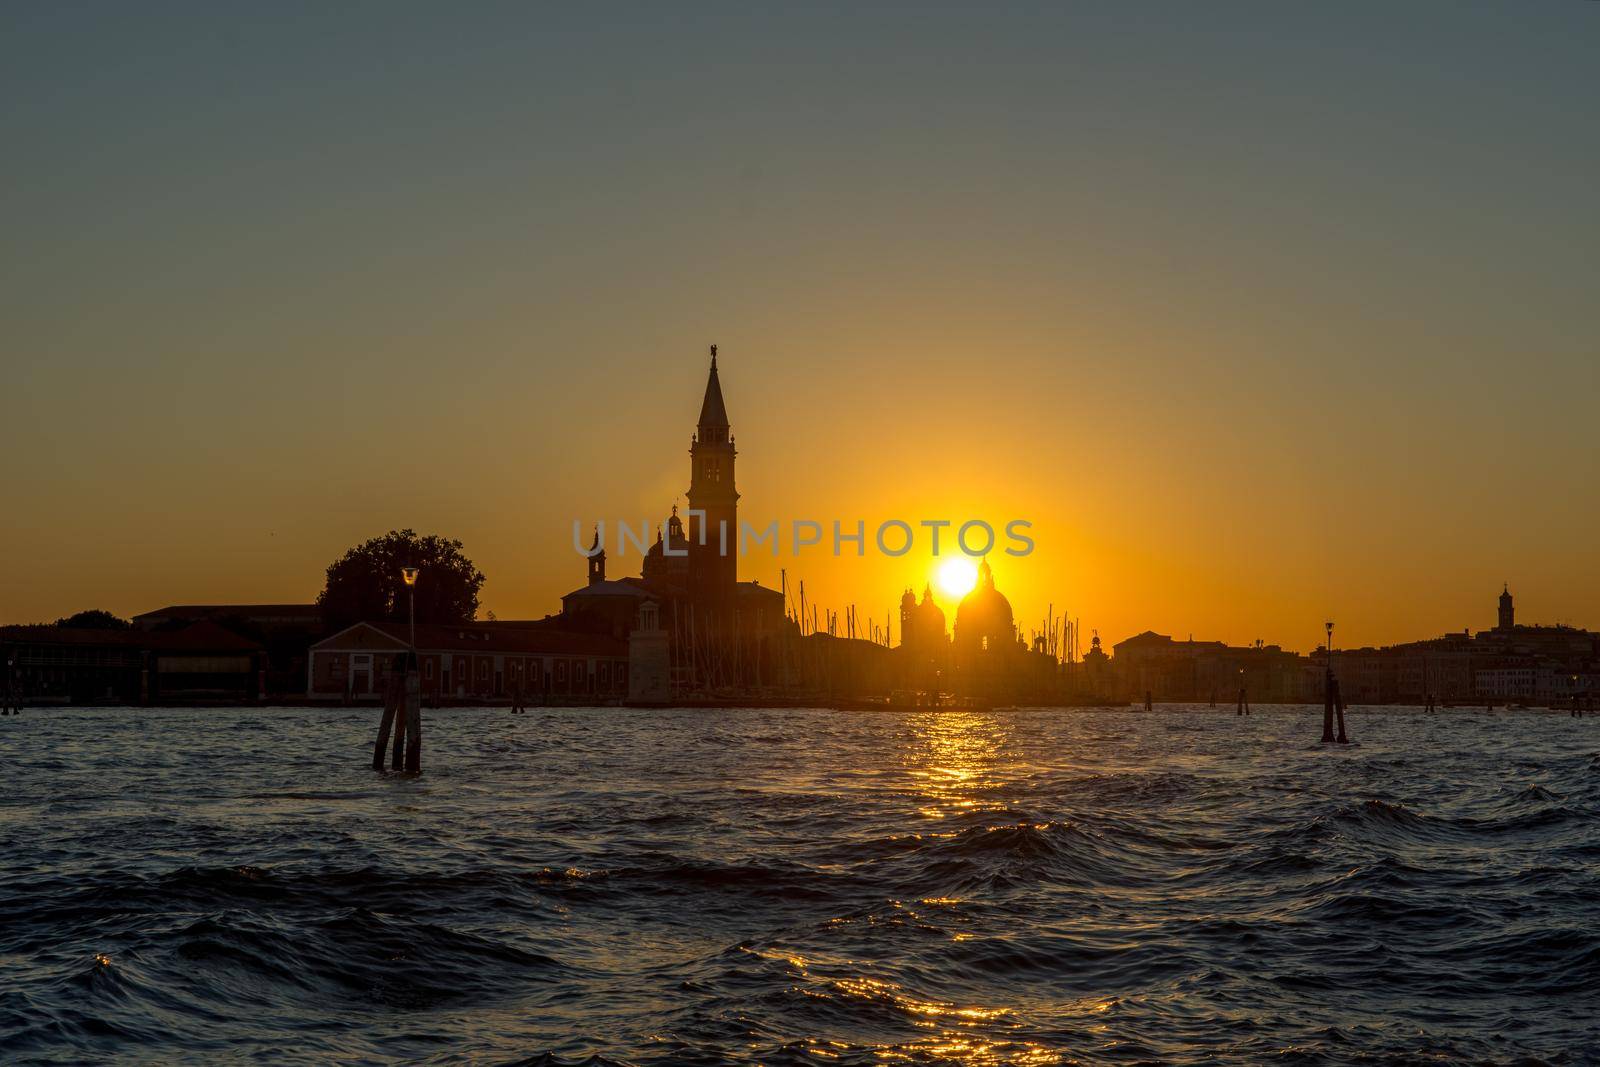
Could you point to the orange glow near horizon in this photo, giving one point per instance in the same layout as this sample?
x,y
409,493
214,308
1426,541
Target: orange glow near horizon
x,y
1337,371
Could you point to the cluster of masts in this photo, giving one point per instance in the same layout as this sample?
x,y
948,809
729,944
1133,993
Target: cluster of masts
x,y
852,624
1058,637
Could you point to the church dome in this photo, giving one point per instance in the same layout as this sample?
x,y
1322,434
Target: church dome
x,y
984,613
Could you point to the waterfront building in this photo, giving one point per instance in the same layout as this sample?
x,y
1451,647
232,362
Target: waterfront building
x,y
1510,664
202,662
1205,671
471,662
284,631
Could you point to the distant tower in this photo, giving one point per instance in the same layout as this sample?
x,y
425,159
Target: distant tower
x,y
930,618
713,565
908,617
1096,665
597,561
1508,616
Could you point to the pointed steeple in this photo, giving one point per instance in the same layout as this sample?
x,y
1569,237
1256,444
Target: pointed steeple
x,y
713,415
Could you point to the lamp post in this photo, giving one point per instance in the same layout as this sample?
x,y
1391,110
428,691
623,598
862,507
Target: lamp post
x,y
404,704
409,576
1329,626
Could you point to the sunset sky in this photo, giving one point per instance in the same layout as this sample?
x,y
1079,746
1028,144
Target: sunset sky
x,y
1260,313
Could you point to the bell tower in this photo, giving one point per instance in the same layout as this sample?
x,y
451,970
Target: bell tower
x,y
1508,614
597,560
713,537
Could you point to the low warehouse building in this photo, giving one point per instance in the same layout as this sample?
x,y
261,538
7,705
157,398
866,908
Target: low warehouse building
x,y
471,663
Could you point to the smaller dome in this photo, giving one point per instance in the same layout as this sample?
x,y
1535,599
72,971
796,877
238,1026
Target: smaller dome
x,y
674,536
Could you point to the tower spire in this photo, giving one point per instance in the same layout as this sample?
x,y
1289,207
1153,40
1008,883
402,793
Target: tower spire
x,y
713,414
713,565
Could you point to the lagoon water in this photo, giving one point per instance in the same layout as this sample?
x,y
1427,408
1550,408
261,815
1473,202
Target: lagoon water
x,y
818,887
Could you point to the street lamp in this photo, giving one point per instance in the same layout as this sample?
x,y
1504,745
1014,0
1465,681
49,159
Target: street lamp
x,y
409,576
1329,625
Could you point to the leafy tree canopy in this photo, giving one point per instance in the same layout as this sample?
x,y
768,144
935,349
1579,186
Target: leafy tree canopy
x,y
94,619
365,583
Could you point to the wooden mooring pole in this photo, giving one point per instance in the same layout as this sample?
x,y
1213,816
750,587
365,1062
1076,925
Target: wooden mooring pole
x,y
1327,708
402,708
393,697
413,708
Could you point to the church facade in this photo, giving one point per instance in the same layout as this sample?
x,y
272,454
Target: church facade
x,y
717,631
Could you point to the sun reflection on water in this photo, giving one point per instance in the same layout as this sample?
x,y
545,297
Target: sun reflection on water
x,y
956,758
959,767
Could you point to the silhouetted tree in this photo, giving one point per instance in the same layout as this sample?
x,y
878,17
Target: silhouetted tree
x,y
94,619
365,583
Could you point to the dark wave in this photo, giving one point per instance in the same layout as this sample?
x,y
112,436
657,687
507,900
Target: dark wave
x,y
610,886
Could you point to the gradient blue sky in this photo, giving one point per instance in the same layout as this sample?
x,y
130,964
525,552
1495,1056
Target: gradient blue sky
x,y
1260,312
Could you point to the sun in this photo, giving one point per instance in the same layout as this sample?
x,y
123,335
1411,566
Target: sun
x,y
957,576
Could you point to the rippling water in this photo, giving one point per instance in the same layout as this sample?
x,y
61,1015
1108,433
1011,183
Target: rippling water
x,y
800,887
